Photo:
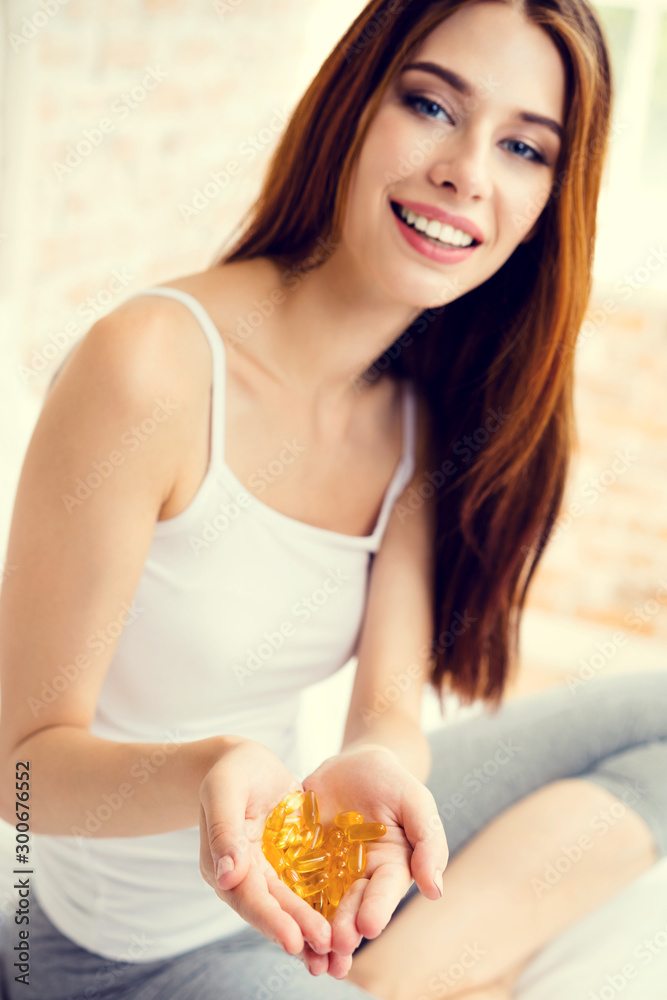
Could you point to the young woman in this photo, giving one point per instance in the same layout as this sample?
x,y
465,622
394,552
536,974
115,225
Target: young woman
x,y
350,435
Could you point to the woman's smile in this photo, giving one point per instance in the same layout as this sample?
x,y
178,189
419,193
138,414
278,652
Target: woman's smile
x,y
432,236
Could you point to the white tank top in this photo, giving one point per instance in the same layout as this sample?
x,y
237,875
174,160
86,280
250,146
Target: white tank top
x,y
238,609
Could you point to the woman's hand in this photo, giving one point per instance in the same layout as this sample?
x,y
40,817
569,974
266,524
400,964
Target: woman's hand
x,y
372,781
236,796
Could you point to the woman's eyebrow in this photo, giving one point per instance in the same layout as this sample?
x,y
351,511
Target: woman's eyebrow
x,y
463,87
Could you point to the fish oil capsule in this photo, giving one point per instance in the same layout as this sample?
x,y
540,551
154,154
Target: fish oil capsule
x,y
333,838
365,831
292,835
276,819
274,857
346,819
311,810
282,837
290,877
311,861
356,858
308,888
335,889
293,801
304,837
338,861
295,851
317,902
317,834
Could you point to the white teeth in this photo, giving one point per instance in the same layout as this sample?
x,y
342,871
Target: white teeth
x,y
440,231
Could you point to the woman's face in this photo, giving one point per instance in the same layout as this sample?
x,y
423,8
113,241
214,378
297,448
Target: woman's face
x,y
472,135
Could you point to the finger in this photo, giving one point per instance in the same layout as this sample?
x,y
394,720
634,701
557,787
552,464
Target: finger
x,y
316,964
387,886
346,937
253,901
339,965
313,926
423,828
224,800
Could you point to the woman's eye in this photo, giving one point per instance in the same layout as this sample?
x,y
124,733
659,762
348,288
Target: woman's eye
x,y
525,151
425,105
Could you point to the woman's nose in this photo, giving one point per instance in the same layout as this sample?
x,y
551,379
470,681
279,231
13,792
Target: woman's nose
x,y
463,162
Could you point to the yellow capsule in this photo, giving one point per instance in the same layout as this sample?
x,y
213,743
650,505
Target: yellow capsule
x,y
295,851
356,858
274,857
317,902
311,861
282,837
304,837
335,889
365,831
292,835
292,801
333,839
317,834
306,889
346,819
338,862
290,877
311,810
276,818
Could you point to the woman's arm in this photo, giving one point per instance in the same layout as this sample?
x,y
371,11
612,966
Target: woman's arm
x,y
393,653
78,563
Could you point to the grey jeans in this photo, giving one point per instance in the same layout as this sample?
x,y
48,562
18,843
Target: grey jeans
x,y
611,731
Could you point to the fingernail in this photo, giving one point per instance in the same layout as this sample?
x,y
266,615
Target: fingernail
x,y
437,880
225,864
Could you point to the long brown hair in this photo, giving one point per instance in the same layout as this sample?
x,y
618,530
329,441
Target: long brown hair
x,y
499,394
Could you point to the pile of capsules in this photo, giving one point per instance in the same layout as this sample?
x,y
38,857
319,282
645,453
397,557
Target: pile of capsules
x,y
317,865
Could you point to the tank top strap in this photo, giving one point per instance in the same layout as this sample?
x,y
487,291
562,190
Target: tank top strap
x,y
218,376
406,466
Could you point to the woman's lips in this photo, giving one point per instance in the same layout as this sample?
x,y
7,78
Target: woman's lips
x,y
429,247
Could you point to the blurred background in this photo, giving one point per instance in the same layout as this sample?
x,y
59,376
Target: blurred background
x,y
134,135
